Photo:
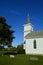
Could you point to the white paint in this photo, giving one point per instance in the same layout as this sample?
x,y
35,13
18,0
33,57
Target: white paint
x,y
29,49
28,28
29,45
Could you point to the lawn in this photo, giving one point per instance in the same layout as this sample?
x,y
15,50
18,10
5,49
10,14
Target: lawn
x,y
20,60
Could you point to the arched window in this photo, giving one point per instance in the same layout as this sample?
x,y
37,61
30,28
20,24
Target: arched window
x,y
34,44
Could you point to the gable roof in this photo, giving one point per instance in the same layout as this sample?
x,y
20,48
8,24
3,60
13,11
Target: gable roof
x,y
35,34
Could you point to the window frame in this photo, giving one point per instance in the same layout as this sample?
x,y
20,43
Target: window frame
x,y
34,44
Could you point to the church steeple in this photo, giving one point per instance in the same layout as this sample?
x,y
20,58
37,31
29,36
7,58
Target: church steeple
x,y
28,19
28,27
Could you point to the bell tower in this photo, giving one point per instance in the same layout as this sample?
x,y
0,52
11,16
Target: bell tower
x,y
28,27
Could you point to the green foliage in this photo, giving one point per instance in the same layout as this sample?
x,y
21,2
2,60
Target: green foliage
x,y
20,49
2,19
1,26
6,34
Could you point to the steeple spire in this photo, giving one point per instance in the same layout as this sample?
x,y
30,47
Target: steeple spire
x,y
28,19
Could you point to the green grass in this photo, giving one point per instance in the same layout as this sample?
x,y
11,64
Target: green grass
x,y
20,60
1,52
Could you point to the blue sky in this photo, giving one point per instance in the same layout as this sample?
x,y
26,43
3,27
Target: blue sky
x,y
16,11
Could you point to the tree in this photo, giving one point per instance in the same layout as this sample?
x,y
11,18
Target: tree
x,y
6,34
20,49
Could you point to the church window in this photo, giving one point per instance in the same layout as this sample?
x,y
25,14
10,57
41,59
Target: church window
x,y
34,44
25,42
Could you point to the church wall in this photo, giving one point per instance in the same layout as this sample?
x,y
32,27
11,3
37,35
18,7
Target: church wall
x,y
29,48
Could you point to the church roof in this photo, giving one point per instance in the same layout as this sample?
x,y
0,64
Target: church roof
x,y
28,19
35,34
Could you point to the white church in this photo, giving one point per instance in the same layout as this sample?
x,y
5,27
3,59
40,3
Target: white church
x,y
33,40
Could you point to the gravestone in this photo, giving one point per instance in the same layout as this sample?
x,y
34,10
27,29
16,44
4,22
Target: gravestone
x,y
12,56
2,55
34,59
